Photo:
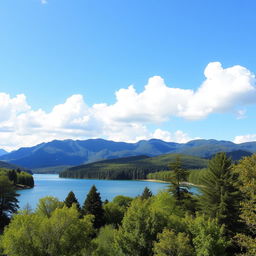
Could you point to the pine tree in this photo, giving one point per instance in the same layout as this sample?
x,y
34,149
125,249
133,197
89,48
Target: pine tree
x,y
177,175
71,199
146,193
8,201
220,196
93,205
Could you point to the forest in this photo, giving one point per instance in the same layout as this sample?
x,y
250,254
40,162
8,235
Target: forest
x,y
218,221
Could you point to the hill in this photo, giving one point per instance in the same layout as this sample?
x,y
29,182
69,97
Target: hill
x,y
78,152
2,152
6,165
131,167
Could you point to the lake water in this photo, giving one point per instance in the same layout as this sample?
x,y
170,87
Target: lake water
x,y
52,185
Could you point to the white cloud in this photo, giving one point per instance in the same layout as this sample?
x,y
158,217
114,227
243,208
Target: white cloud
x,y
44,1
127,119
178,136
245,138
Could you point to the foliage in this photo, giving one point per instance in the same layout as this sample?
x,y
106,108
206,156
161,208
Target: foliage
x,y
247,177
220,195
71,199
105,242
171,244
146,194
8,201
131,167
47,205
61,234
114,211
93,205
207,236
139,229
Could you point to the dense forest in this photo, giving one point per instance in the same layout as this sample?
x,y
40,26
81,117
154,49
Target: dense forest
x,y
137,167
217,222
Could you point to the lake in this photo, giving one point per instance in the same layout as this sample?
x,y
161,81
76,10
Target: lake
x,y
52,185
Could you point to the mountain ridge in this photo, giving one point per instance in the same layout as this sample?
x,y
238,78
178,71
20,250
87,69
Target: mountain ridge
x,y
78,152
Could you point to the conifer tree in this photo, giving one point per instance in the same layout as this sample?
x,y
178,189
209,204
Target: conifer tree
x,y
93,205
71,199
220,196
8,201
146,193
177,175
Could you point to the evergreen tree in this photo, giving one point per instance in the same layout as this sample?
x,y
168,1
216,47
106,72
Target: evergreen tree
x,y
71,199
146,193
93,205
177,175
220,195
247,177
8,201
12,175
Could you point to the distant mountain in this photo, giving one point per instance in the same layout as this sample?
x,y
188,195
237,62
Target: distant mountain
x,y
136,167
12,166
77,152
2,152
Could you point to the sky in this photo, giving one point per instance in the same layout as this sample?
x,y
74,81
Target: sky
x,y
127,70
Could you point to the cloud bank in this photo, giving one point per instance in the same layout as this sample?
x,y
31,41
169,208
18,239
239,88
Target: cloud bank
x,y
223,90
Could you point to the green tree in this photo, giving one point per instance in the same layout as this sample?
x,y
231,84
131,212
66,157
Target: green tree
x,y
63,233
71,199
172,244
220,195
139,229
47,205
247,178
208,237
177,175
114,211
93,205
105,242
12,175
146,193
8,201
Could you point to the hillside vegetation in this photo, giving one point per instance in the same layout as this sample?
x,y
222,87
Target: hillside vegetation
x,y
131,167
78,152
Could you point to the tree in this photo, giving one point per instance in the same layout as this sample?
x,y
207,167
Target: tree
x,y
220,196
105,242
8,201
93,205
171,244
139,229
71,199
63,233
146,193
47,205
12,175
177,175
247,178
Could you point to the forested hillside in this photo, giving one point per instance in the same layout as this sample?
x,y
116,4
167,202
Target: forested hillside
x,y
131,167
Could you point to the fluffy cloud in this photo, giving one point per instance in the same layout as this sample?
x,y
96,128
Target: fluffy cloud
x,y
128,118
245,138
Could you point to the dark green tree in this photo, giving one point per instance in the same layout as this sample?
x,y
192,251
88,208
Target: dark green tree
x,y
12,175
177,175
146,193
220,195
8,201
71,199
93,205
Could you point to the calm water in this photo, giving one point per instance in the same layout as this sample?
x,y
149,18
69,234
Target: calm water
x,y
52,185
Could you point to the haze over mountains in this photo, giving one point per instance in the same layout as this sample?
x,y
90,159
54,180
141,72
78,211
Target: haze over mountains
x,y
77,152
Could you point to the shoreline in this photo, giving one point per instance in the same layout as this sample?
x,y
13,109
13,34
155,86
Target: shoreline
x,y
152,180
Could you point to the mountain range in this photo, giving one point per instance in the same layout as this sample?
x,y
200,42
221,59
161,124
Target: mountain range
x,y
77,152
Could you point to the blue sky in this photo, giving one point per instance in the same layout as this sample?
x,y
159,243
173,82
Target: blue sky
x,y
62,63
